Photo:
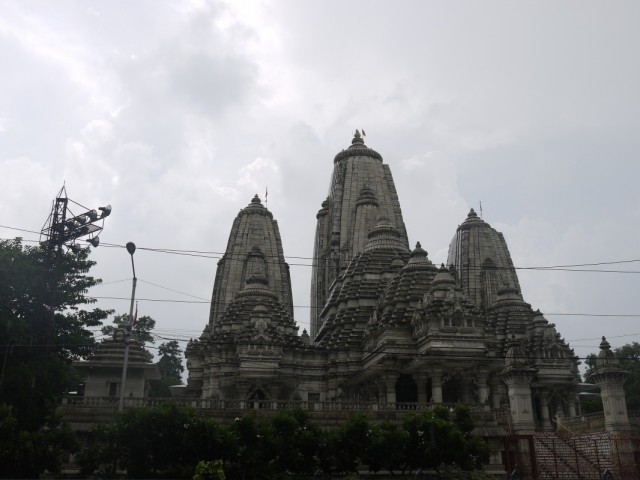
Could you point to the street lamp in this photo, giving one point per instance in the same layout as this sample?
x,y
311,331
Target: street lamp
x,y
131,248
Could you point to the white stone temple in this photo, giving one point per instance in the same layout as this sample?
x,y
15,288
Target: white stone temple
x,y
388,327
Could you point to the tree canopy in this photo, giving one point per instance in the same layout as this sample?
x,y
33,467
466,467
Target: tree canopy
x,y
170,366
44,327
168,441
141,330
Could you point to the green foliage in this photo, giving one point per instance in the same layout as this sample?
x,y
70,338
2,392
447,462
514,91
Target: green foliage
x,y
435,440
26,454
629,357
151,442
388,444
212,470
39,342
141,331
341,450
170,363
170,366
168,441
295,441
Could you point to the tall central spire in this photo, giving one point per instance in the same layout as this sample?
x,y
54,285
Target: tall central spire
x,y
361,191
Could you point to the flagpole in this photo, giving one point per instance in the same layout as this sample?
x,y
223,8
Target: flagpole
x,y
131,248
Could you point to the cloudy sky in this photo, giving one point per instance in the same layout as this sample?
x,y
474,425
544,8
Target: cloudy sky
x,y
177,113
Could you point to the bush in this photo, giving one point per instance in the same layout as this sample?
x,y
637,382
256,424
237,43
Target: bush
x,y
212,470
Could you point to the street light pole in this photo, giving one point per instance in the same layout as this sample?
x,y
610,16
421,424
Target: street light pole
x,y
131,248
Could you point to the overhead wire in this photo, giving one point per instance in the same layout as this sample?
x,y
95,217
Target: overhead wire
x,y
171,289
215,255
218,255
612,315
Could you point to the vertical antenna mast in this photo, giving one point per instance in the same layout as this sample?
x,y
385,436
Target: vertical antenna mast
x,y
266,197
480,208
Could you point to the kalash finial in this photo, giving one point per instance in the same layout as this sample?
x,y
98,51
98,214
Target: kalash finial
x,y
357,138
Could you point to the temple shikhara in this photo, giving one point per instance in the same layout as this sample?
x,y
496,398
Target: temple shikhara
x,y
388,327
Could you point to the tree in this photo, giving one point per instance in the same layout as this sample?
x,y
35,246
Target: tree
x,y
436,440
141,330
295,442
388,448
170,363
145,441
343,449
252,449
169,442
43,327
26,454
170,366
211,470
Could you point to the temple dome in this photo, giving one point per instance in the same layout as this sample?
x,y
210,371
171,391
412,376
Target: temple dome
x,y
481,260
357,149
606,357
385,235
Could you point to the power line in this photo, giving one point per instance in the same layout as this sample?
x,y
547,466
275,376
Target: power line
x,y
150,299
612,315
214,255
172,290
557,268
19,229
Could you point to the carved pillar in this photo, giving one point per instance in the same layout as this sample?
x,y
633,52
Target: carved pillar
x,y
436,388
496,393
546,425
421,379
519,385
483,389
391,388
610,378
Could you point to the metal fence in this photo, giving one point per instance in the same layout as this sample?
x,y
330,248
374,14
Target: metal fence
x,y
589,456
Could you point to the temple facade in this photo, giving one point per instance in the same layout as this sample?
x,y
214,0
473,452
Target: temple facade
x,y
388,327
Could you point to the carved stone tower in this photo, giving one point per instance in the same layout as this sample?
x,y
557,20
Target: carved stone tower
x,y
361,191
481,260
610,378
254,249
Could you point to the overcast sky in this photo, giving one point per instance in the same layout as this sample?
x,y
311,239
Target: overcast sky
x,y
177,113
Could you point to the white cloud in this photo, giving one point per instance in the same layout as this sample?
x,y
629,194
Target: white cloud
x,y
178,113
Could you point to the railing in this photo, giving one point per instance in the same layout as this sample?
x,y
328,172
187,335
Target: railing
x,y
478,411
589,422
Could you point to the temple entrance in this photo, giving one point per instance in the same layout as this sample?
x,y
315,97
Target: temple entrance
x,y
406,389
257,399
452,390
